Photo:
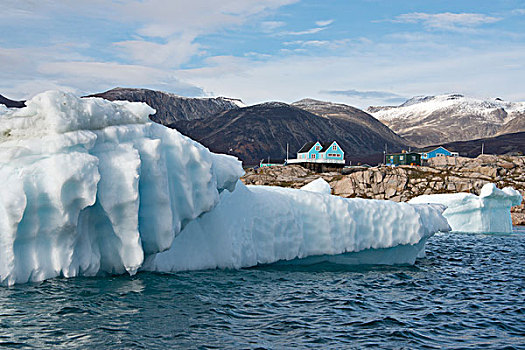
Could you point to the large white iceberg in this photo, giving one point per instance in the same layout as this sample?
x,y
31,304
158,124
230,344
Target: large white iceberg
x,y
466,212
91,187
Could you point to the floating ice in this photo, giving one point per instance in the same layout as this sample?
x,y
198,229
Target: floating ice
x,y
261,225
92,187
319,185
488,212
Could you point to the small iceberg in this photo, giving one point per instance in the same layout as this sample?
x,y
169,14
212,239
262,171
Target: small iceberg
x,y
489,212
318,185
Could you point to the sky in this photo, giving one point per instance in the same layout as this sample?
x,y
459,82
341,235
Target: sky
x,y
358,52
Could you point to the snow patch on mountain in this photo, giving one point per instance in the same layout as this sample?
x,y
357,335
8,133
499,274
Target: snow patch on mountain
x,y
420,107
430,120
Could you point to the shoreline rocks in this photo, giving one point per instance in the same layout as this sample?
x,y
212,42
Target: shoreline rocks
x,y
400,184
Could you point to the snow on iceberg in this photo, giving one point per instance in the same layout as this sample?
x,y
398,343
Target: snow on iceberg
x,y
261,225
488,212
93,186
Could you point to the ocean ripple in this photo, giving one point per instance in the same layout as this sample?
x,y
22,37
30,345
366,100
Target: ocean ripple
x,y
467,293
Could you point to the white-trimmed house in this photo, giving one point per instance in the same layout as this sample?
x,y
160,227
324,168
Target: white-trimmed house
x,y
321,153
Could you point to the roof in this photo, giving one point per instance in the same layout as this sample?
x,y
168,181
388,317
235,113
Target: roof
x,y
326,145
432,148
307,146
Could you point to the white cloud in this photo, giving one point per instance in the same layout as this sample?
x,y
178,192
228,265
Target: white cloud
x,y
304,32
447,20
327,44
270,26
405,70
164,18
171,54
324,23
34,70
164,36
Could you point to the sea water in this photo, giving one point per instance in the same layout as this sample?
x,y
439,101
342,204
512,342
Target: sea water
x,y
468,292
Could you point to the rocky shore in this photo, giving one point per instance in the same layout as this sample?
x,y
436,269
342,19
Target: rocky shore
x,y
400,184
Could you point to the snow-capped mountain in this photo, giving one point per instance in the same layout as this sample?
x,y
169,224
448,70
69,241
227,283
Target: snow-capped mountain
x,y
426,120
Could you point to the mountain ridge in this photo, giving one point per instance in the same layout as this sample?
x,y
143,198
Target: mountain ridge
x,y
427,120
260,131
11,103
171,107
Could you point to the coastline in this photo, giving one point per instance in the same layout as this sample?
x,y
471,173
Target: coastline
x,y
400,184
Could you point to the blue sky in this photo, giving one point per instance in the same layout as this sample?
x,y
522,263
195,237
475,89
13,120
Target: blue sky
x,y
360,52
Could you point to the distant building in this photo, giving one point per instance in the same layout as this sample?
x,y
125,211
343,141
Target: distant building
x,y
437,152
404,158
271,162
320,156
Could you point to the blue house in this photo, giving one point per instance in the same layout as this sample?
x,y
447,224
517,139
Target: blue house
x,y
437,152
319,152
320,156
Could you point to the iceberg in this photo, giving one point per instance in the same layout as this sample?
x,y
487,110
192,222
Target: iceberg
x,y
489,212
318,185
257,225
92,187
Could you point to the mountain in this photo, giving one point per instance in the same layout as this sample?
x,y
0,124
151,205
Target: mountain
x,y
337,111
427,120
10,103
170,107
264,130
503,144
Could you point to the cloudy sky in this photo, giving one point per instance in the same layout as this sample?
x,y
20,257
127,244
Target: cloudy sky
x,y
360,52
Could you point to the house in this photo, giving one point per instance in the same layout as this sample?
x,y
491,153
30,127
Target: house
x,y
437,152
320,156
404,158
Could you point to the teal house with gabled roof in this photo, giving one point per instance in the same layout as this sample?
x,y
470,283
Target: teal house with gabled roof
x,y
327,154
318,151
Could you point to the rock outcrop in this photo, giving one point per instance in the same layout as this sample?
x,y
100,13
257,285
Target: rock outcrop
x,y
400,184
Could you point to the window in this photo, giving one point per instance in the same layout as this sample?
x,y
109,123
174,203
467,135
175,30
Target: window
x,y
313,156
317,148
334,147
401,157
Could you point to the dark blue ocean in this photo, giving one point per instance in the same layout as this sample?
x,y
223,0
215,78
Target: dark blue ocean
x,y
468,293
